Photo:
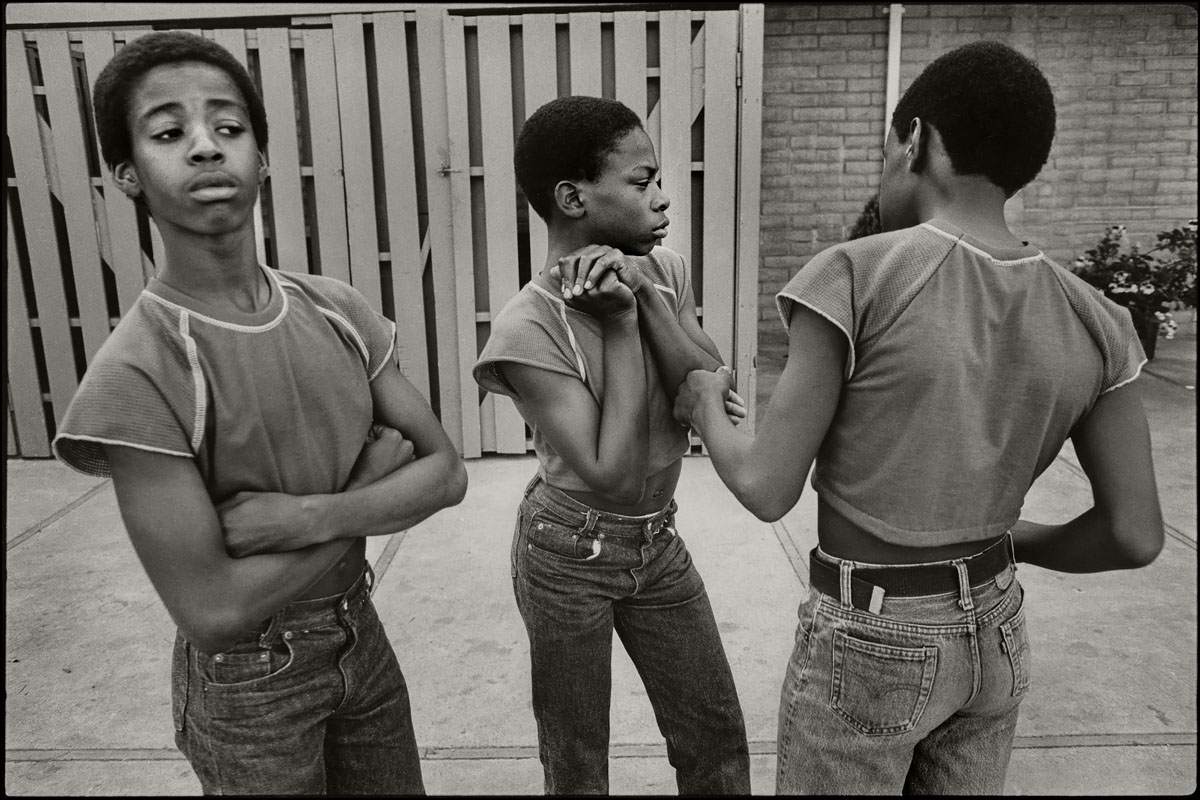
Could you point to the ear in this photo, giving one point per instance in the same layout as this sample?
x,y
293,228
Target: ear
x,y
568,200
263,168
126,179
918,144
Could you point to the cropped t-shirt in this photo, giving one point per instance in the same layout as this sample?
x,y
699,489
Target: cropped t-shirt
x,y
537,328
277,400
967,370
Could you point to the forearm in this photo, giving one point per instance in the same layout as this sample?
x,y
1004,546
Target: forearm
x,y
621,453
1085,544
675,353
732,453
241,592
393,503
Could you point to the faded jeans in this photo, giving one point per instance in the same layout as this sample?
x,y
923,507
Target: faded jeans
x,y
312,703
920,698
579,574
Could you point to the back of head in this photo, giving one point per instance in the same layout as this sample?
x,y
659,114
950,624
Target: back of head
x,y
121,76
567,139
993,108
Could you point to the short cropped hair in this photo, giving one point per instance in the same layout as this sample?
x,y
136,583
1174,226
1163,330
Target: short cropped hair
x,y
993,108
567,139
111,92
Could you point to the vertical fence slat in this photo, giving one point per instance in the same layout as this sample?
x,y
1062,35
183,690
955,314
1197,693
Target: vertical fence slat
x,y
329,191
720,176
499,189
675,104
457,161
541,86
29,168
399,175
749,188
351,66
287,199
585,53
324,131
629,55
120,214
75,185
234,40
26,413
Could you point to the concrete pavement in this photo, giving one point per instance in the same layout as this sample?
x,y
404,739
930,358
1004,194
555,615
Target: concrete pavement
x,y
1112,709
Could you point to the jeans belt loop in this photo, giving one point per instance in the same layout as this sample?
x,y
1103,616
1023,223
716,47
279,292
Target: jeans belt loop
x,y
965,602
1012,550
844,569
266,637
590,523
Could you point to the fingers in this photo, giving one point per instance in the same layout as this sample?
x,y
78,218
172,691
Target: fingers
x,y
583,269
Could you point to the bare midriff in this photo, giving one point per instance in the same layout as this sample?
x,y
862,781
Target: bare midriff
x,y
342,575
660,488
842,538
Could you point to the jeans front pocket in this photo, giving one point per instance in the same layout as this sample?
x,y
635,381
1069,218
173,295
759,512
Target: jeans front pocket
x,y
1016,644
549,535
245,664
881,689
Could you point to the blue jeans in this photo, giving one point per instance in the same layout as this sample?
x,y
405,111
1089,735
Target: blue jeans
x,y
578,574
919,698
312,703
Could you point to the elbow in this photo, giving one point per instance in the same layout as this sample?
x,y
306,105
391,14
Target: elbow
x,y
456,482
213,631
764,502
1138,546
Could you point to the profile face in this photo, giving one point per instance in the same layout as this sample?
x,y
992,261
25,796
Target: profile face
x,y
626,208
194,160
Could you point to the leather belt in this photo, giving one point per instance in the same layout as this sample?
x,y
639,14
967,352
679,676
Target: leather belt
x,y
868,585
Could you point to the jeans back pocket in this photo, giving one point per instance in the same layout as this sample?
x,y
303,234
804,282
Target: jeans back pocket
x,y
1016,644
881,689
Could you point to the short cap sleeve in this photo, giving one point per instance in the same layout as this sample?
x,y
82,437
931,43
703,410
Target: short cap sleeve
x,y
826,285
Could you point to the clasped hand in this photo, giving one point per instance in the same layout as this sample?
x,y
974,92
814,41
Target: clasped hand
x,y
703,386
599,280
273,522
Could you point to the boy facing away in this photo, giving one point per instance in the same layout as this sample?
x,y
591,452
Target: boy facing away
x,y
591,350
935,370
250,420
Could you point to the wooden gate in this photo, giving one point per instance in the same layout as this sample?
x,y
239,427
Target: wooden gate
x,y
381,171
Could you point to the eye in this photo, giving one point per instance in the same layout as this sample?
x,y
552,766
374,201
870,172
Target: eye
x,y
231,128
167,134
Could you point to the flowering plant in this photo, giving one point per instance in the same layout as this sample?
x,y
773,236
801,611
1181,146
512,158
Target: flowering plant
x,y
1148,283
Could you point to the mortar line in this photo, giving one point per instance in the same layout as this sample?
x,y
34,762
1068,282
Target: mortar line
x,y
32,531
517,752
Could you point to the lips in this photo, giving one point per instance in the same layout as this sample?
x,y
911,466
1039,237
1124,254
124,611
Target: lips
x,y
213,186
661,230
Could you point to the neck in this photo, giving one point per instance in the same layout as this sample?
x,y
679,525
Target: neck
x,y
974,204
220,270
561,240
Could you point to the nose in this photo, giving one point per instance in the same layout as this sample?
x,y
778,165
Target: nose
x,y
204,147
661,202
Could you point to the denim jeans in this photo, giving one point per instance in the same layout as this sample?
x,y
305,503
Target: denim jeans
x,y
312,703
920,698
578,574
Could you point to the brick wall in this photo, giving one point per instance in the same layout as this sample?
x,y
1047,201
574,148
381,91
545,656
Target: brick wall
x,y
1124,80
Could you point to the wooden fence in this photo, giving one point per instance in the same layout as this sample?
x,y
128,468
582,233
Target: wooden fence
x,y
391,168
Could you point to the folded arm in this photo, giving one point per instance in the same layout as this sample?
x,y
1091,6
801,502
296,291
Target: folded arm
x,y
1123,529
434,478
605,443
175,531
